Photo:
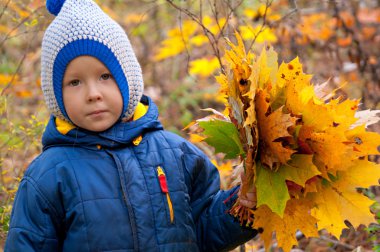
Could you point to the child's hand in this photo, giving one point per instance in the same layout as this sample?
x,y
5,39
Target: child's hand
x,y
250,198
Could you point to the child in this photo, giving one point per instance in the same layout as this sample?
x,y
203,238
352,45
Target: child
x,y
109,177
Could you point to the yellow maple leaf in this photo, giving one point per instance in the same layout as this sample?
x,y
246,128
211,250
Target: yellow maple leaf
x,y
364,143
326,146
335,204
259,11
223,82
261,34
297,88
211,24
343,112
177,41
195,138
198,40
204,67
264,70
300,169
272,127
170,47
296,217
239,62
309,111
327,211
339,200
361,173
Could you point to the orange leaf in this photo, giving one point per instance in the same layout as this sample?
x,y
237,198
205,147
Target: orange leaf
x,y
273,126
24,93
344,42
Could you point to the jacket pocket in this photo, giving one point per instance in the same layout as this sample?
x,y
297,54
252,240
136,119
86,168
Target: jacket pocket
x,y
164,189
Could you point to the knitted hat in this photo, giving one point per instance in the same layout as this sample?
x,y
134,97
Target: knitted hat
x,y
82,28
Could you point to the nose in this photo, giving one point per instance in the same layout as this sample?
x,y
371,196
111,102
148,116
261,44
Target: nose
x,y
93,92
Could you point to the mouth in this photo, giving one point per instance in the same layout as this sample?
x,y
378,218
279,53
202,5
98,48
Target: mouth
x,y
96,112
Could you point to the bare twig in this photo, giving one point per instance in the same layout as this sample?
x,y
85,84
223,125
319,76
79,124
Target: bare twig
x,y
336,243
184,42
210,36
5,7
19,24
18,67
232,11
264,23
287,15
24,33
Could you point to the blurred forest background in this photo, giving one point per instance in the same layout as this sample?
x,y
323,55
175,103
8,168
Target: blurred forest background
x,y
179,44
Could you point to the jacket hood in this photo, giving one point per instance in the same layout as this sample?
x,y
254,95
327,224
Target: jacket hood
x,y
122,133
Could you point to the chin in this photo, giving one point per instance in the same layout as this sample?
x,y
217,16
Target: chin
x,y
97,128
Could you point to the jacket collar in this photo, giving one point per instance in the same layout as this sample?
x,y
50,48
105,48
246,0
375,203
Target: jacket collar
x,y
120,134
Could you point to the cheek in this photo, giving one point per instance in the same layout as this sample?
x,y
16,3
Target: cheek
x,y
116,99
71,103
118,103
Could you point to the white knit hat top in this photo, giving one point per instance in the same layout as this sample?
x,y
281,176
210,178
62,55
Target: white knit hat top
x,y
82,28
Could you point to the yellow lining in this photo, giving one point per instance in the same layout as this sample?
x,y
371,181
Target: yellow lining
x,y
62,126
140,111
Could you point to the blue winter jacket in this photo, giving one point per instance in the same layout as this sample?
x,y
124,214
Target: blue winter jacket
x,y
100,192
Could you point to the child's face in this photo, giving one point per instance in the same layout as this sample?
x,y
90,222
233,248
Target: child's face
x,y
91,96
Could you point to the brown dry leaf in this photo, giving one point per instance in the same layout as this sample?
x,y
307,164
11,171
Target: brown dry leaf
x,y
272,127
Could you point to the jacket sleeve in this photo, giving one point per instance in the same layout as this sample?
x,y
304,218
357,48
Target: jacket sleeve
x,y
217,230
32,221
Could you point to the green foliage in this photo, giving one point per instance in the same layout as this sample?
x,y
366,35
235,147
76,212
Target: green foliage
x,y
223,136
5,217
276,193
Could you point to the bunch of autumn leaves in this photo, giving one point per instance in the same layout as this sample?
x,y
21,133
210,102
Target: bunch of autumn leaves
x,y
305,151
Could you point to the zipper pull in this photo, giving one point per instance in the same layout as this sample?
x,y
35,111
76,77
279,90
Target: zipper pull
x,y
164,189
162,180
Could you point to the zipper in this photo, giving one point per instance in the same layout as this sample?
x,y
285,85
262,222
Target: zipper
x,y
126,200
164,189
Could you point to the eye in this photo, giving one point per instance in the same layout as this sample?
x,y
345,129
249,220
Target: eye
x,y
74,83
106,76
